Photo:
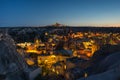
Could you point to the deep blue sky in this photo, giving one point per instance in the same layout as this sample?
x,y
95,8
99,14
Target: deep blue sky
x,y
69,12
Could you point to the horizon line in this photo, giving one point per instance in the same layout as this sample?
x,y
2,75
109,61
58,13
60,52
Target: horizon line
x,y
58,26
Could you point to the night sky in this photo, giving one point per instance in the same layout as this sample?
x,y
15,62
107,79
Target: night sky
x,y
69,12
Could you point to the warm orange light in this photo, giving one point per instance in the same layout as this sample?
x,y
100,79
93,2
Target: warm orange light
x,y
64,66
88,54
53,44
53,56
57,72
29,62
53,70
32,51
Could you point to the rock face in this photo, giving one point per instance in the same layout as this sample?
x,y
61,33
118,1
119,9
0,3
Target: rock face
x,y
10,61
108,75
110,67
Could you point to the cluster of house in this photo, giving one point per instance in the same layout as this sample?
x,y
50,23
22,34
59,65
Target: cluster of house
x,y
62,53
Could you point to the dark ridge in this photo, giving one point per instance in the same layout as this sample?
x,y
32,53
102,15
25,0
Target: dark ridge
x,y
74,28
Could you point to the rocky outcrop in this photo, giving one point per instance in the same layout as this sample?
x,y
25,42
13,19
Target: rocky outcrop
x,y
108,69
11,62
